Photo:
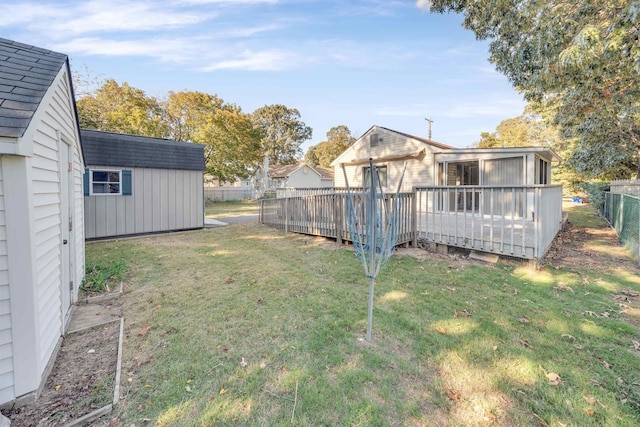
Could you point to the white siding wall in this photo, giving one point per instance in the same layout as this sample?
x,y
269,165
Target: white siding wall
x,y
6,348
300,179
161,200
58,116
419,171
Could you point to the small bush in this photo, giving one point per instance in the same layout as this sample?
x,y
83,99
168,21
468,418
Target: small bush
x,y
98,277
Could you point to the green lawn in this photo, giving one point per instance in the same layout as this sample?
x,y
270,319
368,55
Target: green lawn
x,y
245,325
230,209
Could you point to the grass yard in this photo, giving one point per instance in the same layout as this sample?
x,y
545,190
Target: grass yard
x,y
230,209
245,325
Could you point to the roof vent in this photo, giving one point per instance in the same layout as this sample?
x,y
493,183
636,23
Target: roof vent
x,y
374,140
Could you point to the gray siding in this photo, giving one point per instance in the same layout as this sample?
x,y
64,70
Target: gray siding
x,y
6,347
161,200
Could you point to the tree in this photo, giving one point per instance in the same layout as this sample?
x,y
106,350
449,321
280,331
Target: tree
x,y
579,59
339,138
123,109
527,130
282,132
232,141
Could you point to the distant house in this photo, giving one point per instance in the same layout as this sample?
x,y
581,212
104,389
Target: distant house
x,y
137,184
41,213
297,175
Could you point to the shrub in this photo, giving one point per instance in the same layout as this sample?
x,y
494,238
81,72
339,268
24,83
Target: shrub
x,y
98,277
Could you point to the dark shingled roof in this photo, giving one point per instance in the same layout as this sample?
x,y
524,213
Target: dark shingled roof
x,y
26,72
134,151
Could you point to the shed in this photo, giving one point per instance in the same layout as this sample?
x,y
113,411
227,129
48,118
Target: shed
x,y
137,184
41,213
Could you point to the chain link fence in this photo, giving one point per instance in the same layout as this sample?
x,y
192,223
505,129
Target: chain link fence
x,y
623,213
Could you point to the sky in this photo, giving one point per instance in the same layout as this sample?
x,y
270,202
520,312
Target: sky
x,y
357,63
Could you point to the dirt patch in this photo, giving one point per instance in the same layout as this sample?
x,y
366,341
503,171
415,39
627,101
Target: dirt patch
x,y
81,381
593,248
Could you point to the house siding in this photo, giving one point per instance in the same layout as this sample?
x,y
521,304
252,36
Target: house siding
x,y
6,347
161,200
419,170
57,121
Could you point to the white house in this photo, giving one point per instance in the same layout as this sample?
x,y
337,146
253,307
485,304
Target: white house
x,y
297,175
41,213
431,163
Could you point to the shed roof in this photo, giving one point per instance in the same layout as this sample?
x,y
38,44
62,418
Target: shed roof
x,y
26,72
283,171
117,149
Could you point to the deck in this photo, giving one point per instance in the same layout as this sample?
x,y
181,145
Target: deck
x,y
515,221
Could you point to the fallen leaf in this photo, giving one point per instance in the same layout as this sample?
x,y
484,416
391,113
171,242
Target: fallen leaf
x,y
590,412
636,345
243,363
143,330
223,391
525,343
130,379
189,381
554,379
230,280
441,330
590,400
463,313
495,347
571,337
451,288
562,287
488,416
452,394
284,368
523,320
159,306
58,387
605,363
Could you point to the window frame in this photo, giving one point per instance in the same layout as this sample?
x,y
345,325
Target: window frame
x,y
366,172
92,181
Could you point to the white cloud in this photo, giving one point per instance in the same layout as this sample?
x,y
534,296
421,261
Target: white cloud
x,y
102,16
229,2
27,13
268,60
488,108
423,4
170,50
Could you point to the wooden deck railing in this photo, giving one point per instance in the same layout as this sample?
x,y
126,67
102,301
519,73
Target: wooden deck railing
x,y
519,221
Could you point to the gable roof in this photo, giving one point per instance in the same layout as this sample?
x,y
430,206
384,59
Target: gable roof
x,y
415,149
417,138
117,149
283,171
26,72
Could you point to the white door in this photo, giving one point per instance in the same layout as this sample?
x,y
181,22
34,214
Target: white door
x,y
66,195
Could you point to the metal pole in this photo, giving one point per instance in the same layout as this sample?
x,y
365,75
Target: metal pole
x,y
371,219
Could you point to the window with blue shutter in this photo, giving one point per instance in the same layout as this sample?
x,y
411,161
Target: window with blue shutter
x,y
100,182
126,183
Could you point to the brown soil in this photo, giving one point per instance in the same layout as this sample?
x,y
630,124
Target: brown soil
x,y
82,379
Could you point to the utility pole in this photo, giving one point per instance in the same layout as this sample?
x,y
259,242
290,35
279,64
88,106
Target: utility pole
x,y
430,121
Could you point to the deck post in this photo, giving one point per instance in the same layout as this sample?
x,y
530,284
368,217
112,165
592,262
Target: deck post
x,y
337,212
414,218
286,215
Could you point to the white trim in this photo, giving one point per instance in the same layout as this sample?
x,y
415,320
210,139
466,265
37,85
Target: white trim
x,y
91,182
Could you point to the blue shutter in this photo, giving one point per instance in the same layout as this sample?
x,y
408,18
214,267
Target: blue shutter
x,y
85,177
126,183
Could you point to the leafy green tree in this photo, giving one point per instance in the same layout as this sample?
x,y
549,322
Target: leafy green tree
x,y
578,59
122,109
339,138
232,141
282,133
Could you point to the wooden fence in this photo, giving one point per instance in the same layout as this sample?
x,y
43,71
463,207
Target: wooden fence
x,y
327,214
625,186
518,221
